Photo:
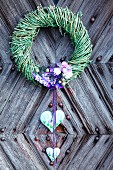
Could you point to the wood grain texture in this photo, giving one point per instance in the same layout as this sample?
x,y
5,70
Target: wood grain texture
x,y
5,163
86,140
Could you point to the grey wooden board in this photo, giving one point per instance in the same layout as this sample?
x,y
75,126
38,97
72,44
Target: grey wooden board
x,y
88,99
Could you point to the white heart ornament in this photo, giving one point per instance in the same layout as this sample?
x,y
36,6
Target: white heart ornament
x,y
50,151
47,119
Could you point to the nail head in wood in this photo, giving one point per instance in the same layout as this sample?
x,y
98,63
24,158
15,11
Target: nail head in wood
x,y
97,138
12,68
64,129
3,139
14,129
64,137
2,130
92,20
111,59
1,68
68,117
51,163
43,150
112,86
47,138
99,58
50,105
68,151
60,104
97,129
36,139
15,139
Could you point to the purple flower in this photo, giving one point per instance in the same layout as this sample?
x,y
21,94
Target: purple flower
x,y
41,80
58,85
53,77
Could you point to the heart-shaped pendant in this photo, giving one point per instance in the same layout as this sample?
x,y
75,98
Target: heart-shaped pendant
x,y
47,119
50,151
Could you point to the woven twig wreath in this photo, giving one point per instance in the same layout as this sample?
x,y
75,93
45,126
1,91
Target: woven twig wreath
x,y
28,28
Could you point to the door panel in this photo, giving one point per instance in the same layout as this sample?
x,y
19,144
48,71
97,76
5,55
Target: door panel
x,y
85,136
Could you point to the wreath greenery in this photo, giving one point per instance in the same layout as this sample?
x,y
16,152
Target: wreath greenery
x,y
28,28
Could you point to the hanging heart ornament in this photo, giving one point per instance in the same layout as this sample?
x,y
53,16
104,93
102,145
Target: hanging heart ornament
x,y
47,118
52,153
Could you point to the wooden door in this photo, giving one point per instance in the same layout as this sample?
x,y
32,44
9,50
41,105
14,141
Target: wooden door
x,y
86,135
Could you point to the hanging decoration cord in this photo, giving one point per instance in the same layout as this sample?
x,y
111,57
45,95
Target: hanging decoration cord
x,y
54,121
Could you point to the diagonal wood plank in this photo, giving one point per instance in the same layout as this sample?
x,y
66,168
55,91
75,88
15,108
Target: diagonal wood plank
x,y
43,2
16,103
92,110
102,75
20,154
101,17
89,154
5,163
104,45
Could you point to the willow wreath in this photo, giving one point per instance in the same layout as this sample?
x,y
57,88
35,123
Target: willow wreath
x,y
28,28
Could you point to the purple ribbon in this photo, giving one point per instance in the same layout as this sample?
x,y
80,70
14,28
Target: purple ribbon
x,y
54,121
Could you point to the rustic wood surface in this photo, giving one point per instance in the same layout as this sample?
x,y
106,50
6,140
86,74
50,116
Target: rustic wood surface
x,y
86,139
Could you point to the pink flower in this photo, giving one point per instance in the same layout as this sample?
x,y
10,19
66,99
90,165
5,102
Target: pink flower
x,y
66,69
64,64
68,75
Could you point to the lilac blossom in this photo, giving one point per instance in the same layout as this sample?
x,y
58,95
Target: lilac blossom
x,y
54,77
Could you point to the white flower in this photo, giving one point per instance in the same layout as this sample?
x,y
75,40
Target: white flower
x,y
57,71
68,75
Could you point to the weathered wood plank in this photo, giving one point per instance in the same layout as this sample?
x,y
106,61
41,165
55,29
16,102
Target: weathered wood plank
x,y
8,81
107,160
17,102
9,19
5,163
104,45
4,43
30,110
43,2
92,110
55,1
20,154
67,160
89,154
72,5
102,75
95,9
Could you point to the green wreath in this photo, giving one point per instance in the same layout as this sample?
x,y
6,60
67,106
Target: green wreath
x,y
28,28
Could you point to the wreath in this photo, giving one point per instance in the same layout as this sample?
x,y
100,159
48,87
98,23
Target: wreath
x,y
28,28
